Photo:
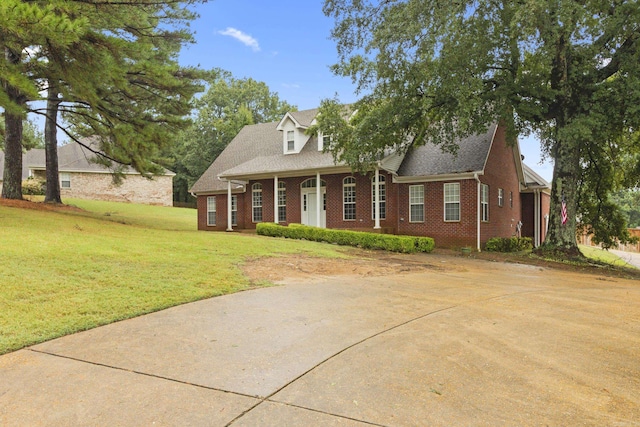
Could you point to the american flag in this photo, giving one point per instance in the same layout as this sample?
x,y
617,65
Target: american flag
x,y
563,211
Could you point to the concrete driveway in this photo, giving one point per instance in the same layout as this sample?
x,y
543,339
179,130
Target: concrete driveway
x,y
465,342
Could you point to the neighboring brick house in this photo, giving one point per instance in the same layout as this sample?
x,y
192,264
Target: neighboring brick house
x,y
275,172
83,179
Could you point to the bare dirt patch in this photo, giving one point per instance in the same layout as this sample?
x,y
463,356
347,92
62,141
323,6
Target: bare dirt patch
x,y
361,263
38,206
303,267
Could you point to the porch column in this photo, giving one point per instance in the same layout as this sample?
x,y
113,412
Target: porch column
x,y
536,218
377,201
229,222
275,199
318,201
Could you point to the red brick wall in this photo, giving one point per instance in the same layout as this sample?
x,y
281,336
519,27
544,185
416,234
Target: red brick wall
x,y
500,172
221,213
445,233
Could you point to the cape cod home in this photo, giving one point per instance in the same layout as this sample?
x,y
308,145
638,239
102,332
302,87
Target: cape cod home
x,y
274,172
82,178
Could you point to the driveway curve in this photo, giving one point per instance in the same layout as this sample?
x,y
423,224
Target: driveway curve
x,y
462,342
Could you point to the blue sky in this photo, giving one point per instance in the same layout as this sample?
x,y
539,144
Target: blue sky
x,y
285,43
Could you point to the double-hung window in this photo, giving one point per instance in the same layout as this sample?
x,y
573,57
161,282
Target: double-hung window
x,y
500,197
65,180
282,202
452,201
211,210
383,197
349,198
484,201
416,203
291,141
256,202
234,210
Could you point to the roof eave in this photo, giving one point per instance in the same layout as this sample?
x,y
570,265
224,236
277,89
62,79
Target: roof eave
x,y
435,178
286,173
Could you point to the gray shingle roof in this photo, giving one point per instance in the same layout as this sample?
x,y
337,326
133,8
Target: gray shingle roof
x,y
304,117
72,157
429,160
309,158
251,142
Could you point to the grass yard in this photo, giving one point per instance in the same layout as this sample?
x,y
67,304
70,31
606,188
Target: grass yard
x,y
67,271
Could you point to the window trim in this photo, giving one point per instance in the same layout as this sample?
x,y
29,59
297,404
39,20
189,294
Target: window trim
x,y
291,141
500,197
211,209
256,196
234,210
382,183
484,202
66,175
351,186
451,185
282,201
420,202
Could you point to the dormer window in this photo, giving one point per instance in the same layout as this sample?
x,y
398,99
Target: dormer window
x,y
324,141
291,141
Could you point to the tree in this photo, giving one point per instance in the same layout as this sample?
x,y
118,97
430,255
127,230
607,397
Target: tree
x,y
32,137
223,110
24,24
436,71
120,82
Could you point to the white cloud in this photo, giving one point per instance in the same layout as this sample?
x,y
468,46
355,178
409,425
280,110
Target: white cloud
x,y
243,38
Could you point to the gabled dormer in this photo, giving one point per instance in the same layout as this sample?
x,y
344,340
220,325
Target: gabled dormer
x,y
293,134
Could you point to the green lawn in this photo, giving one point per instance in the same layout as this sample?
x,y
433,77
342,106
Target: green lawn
x,y
603,256
64,272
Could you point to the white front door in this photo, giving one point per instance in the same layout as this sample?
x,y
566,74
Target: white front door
x,y
309,209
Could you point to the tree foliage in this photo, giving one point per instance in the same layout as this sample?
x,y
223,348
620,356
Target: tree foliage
x,y
22,25
435,71
119,79
220,113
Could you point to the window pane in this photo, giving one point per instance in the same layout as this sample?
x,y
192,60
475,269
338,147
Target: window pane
x,y
349,198
416,203
211,210
234,210
452,202
383,197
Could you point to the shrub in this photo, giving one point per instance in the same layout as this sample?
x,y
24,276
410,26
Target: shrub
x,y
33,187
509,244
388,242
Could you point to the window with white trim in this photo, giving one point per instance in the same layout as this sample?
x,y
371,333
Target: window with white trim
x,y
484,201
349,198
452,201
383,197
65,180
282,202
234,210
256,202
416,203
291,141
500,197
211,210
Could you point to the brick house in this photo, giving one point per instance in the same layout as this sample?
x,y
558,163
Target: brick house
x,y
82,178
275,172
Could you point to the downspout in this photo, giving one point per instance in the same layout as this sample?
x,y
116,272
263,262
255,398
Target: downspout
x,y
479,208
229,211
